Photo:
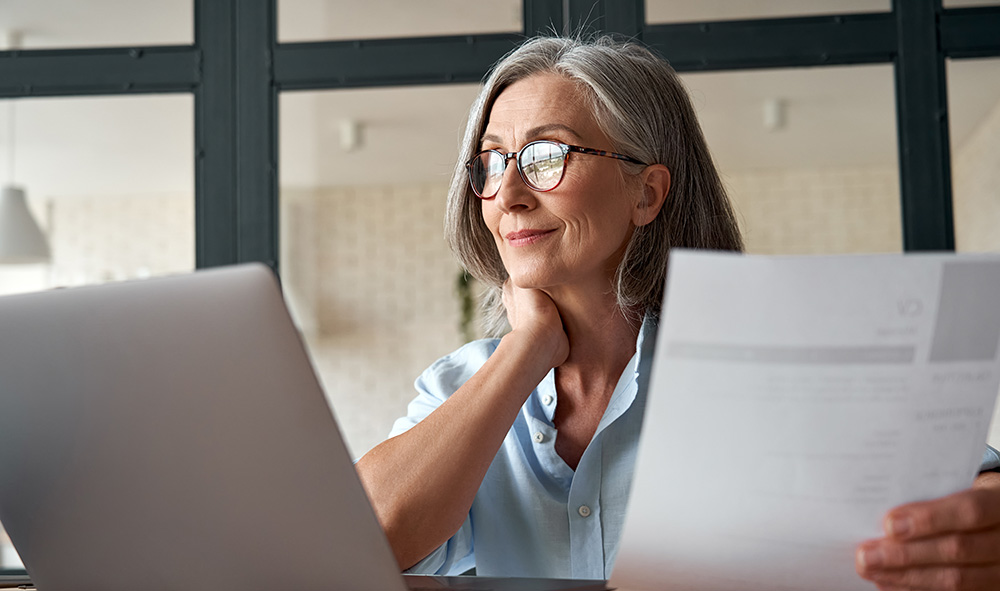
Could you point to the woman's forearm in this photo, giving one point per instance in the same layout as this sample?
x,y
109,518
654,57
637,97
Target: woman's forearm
x,y
422,482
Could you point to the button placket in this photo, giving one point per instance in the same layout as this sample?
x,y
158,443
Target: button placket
x,y
586,539
584,510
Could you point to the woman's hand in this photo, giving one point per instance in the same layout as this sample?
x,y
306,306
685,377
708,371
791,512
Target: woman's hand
x,y
949,544
532,312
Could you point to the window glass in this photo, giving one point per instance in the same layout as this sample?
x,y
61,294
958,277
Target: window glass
x,y
45,24
325,20
808,156
110,183
367,273
677,11
974,124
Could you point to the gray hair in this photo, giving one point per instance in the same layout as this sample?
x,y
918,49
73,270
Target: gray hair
x,y
641,105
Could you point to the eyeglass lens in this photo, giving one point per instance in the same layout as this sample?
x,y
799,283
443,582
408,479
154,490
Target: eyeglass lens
x,y
540,163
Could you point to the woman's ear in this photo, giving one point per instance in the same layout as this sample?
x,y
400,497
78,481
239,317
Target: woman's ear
x,y
655,186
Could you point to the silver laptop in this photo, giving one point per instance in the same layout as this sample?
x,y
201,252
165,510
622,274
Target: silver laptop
x,y
171,433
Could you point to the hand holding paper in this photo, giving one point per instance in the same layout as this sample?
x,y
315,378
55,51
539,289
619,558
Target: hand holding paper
x,y
949,543
794,401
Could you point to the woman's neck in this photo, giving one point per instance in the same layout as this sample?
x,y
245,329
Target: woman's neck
x,y
601,338
601,343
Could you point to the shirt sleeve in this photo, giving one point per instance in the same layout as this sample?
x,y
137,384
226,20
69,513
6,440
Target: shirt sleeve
x,y
434,386
454,557
991,460
439,381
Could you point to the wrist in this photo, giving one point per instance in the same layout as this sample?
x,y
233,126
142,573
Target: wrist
x,y
535,350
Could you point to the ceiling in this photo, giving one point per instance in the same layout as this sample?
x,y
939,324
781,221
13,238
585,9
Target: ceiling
x,y
835,116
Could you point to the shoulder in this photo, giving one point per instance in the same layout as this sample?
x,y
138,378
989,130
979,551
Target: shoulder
x,y
442,379
448,373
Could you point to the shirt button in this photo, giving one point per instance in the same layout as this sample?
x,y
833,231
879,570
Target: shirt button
x,y
584,511
547,399
539,437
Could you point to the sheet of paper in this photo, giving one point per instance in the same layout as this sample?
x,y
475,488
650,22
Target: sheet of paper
x,y
793,401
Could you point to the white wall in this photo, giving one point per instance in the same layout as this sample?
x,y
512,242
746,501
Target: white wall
x,y
976,182
818,211
375,286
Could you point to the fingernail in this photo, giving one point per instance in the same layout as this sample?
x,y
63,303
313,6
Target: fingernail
x,y
871,558
900,526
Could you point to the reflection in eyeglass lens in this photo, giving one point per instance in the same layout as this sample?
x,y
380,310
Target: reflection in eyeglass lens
x,y
542,165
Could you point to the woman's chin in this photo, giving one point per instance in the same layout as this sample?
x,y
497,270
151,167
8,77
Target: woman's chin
x,y
531,281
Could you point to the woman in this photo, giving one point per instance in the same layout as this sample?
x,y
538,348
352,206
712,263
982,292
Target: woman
x,y
582,164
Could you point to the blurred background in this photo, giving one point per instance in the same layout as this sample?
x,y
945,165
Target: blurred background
x,y
809,156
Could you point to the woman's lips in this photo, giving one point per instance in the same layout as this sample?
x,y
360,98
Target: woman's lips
x,y
525,237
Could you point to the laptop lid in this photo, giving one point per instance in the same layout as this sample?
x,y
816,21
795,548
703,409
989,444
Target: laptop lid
x,y
171,432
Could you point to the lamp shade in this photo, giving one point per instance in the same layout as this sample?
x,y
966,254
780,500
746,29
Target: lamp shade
x,y
21,240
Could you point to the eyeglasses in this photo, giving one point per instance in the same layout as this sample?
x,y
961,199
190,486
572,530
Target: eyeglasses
x,y
541,165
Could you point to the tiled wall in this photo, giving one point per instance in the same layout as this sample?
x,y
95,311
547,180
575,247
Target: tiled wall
x,y
374,286
111,238
818,211
108,238
976,182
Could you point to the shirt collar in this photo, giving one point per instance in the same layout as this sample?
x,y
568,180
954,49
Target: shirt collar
x,y
631,385
636,373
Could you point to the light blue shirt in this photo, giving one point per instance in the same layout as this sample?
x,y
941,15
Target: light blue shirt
x,y
991,460
533,516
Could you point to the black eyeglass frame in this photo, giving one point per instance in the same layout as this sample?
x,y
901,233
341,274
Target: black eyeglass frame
x,y
566,150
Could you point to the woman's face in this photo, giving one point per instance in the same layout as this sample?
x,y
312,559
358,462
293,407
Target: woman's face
x,y
573,236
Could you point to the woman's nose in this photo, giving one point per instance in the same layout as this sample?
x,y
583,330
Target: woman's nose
x,y
514,195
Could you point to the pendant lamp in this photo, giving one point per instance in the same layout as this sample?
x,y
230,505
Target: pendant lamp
x,y
21,240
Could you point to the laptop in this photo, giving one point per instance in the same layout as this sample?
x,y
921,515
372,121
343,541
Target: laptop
x,y
171,432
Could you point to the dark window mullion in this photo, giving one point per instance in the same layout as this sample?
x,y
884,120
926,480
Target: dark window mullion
x,y
542,17
776,43
236,199
922,124
216,234
64,72
626,18
389,62
971,32
256,132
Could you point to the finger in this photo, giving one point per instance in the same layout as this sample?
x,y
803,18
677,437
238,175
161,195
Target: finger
x,y
971,509
976,548
968,578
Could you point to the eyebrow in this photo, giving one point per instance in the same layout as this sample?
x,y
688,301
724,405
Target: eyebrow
x,y
533,133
